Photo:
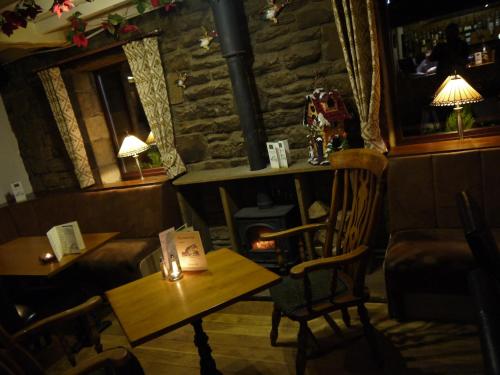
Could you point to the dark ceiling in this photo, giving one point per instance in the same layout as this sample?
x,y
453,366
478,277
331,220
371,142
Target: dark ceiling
x,y
402,12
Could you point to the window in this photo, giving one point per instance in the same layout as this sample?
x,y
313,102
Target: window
x,y
125,115
415,35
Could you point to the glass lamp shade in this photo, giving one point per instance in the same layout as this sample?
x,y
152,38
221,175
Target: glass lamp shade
x,y
455,91
131,146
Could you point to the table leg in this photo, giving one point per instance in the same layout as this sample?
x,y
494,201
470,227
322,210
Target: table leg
x,y
207,363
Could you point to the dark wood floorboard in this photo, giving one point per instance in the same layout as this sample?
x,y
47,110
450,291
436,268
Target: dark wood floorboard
x,y
239,337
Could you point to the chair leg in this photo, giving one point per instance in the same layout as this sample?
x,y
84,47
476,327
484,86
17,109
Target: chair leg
x,y
276,318
300,361
346,317
66,348
370,334
93,334
335,327
313,341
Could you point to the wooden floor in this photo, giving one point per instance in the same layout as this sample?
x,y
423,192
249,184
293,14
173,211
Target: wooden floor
x,y
240,344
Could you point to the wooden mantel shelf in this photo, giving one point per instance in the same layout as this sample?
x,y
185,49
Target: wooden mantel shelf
x,y
243,172
445,146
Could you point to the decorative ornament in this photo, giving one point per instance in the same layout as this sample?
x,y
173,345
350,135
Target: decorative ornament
x,y
61,6
272,11
118,25
24,11
207,39
27,10
324,115
181,79
76,34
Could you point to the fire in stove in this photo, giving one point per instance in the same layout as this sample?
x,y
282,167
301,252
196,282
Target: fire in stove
x,y
252,222
258,244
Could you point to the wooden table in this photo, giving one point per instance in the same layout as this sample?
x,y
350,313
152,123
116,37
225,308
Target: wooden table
x,y
20,257
151,306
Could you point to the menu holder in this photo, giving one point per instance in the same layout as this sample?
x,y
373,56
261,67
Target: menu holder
x,y
66,239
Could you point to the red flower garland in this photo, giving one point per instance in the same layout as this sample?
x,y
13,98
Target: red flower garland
x,y
27,10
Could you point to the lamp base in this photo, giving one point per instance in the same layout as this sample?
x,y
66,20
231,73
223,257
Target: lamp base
x,y
136,157
460,126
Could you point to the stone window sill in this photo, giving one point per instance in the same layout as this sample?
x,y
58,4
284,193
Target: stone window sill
x,y
151,180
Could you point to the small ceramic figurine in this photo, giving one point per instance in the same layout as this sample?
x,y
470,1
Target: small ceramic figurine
x,y
324,115
273,10
181,79
207,39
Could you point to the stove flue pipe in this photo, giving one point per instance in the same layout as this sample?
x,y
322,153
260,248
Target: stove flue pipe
x,y
230,21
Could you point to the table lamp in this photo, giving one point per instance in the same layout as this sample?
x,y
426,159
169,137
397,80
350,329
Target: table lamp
x,y
133,146
455,91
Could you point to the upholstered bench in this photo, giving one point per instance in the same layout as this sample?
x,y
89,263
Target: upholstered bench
x,y
139,213
427,259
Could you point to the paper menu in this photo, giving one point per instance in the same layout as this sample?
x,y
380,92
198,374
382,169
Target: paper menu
x,y
66,239
186,246
190,251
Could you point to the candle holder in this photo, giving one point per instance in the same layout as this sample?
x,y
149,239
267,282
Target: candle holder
x,y
171,269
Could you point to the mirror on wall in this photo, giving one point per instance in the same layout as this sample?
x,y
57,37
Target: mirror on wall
x,y
432,41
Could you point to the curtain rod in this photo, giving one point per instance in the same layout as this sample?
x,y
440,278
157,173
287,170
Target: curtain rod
x,y
100,49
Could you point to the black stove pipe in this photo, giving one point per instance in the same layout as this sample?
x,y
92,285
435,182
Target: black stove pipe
x,y
230,21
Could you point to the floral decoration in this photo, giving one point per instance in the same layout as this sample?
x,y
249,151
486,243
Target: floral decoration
x,y
76,35
61,6
115,24
118,25
25,10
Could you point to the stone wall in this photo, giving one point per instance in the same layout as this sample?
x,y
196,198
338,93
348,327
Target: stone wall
x,y
287,57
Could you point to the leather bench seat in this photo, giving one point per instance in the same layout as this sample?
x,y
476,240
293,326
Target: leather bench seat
x,y
428,259
138,213
116,262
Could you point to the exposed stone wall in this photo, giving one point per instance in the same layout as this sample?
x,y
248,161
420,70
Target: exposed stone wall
x,y
91,115
287,57
40,145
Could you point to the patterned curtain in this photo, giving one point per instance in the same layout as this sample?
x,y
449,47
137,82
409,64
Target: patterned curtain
x,y
356,25
66,122
144,59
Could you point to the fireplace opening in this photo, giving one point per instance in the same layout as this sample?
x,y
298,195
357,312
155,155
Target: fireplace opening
x,y
251,222
256,244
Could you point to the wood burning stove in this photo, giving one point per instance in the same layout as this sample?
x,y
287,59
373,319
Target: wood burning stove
x,y
252,221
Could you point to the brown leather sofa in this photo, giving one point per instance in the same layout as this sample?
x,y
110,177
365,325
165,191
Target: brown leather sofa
x,y
139,213
428,259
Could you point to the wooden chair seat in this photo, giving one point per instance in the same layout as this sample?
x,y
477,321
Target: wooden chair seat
x,y
289,294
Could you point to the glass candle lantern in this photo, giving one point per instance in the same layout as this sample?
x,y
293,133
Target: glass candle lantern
x,y
173,271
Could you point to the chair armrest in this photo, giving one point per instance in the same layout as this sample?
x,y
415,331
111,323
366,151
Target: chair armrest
x,y
292,231
113,358
298,271
71,313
